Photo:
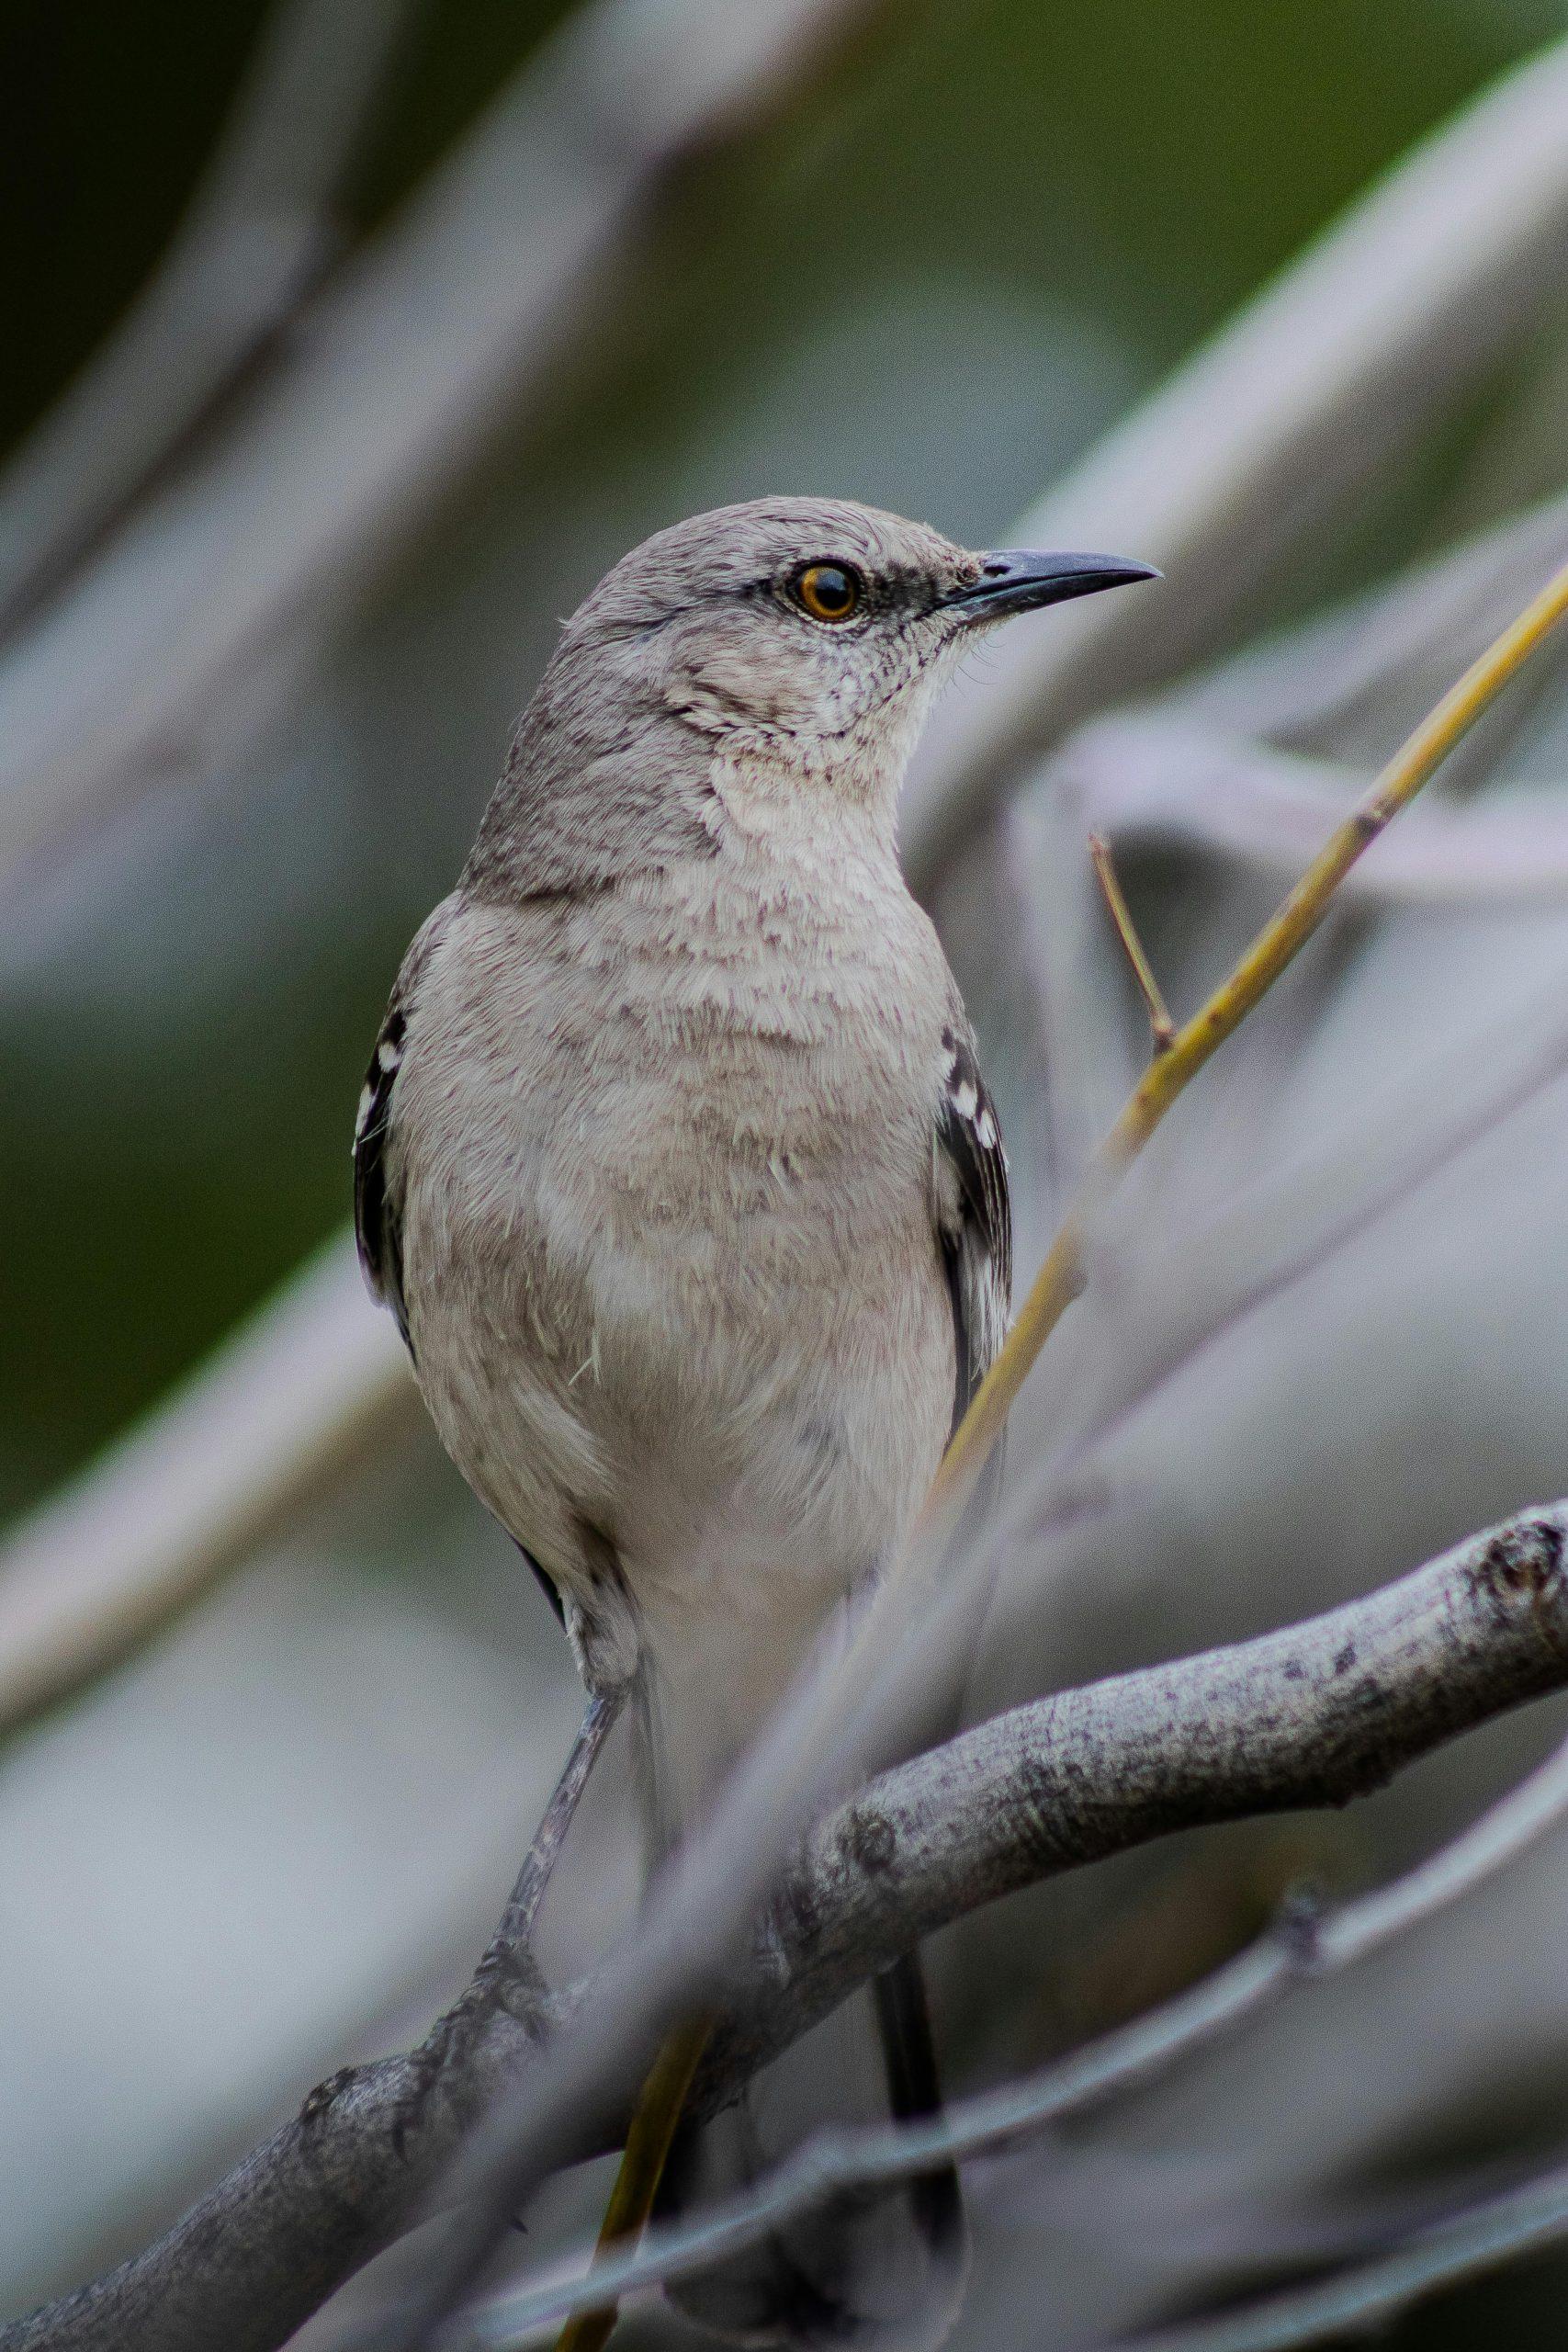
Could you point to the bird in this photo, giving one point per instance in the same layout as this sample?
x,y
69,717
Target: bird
x,y
675,1163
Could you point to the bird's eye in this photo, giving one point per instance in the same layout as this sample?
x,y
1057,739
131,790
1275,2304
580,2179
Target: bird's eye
x,y
828,591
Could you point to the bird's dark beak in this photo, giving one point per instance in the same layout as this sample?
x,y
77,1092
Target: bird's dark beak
x,y
1015,579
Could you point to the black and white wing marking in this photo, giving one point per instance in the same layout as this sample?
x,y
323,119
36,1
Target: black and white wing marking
x,y
377,1210
378,1172
973,1217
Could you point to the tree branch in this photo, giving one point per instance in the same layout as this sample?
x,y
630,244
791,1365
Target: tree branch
x,y
1481,2238
259,237
382,395
263,1426
1315,1715
1305,1945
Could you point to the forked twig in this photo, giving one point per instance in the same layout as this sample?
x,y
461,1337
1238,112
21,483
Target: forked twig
x,y
1060,1278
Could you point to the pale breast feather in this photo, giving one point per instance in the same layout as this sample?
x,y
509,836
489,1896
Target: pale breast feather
x,y
974,1217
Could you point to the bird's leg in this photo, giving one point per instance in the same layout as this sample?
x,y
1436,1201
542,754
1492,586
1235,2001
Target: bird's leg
x,y
650,2135
509,1955
517,1921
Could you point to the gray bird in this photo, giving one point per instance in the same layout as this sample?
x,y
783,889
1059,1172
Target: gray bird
x,y
674,1161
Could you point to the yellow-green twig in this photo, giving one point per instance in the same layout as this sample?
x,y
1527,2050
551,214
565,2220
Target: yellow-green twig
x,y
1061,1276
647,2152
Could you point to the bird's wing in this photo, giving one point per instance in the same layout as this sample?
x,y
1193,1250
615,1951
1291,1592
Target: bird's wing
x,y
378,1174
973,1215
378,1207
378,1170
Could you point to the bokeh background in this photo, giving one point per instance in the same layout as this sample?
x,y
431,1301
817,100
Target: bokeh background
x,y
253,693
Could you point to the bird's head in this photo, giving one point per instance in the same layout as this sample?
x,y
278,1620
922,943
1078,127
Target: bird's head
x,y
767,665
813,628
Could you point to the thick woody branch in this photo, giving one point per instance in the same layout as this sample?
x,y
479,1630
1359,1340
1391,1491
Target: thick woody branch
x,y
1306,1944
1316,1715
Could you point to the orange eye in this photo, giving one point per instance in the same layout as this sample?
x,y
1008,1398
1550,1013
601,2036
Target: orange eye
x,y
828,591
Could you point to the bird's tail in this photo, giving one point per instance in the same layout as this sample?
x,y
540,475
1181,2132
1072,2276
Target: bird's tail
x,y
871,2267
881,2268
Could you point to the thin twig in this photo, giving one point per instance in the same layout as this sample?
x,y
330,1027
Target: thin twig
x,y
1306,1947
1482,2239
1162,1028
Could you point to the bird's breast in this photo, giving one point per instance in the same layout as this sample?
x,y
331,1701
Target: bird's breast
x,y
683,1267
757,1052
698,1103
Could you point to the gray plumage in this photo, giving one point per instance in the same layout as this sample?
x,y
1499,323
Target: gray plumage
x,y
671,1160
674,1160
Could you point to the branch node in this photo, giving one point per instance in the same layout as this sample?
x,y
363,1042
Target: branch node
x,y
326,2095
1299,1922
